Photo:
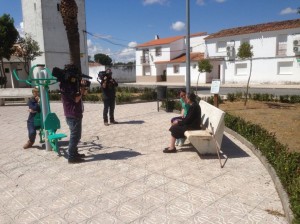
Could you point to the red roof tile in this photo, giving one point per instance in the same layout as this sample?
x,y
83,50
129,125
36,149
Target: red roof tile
x,y
182,58
264,27
160,41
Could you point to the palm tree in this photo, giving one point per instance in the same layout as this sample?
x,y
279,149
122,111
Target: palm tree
x,y
69,11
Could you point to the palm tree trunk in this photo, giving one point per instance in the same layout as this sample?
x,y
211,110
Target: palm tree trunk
x,y
69,11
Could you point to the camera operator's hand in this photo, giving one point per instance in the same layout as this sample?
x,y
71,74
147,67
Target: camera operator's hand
x,y
83,89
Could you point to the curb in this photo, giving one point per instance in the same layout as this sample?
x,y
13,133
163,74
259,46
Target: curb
x,y
280,190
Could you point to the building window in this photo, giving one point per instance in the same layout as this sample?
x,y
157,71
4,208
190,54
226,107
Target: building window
x,y
6,70
58,7
285,67
281,45
221,46
176,68
241,69
34,6
158,51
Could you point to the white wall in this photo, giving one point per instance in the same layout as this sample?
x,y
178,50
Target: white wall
x,y
44,22
265,63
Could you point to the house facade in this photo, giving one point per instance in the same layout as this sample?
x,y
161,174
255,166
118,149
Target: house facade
x,y
275,47
274,59
163,59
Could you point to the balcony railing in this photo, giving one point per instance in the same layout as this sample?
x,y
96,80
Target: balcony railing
x,y
144,59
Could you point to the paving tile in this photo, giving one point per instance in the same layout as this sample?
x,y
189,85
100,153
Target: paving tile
x,y
129,179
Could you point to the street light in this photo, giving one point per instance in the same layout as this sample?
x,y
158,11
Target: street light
x,y
188,63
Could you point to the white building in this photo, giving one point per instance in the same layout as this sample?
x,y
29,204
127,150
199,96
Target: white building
x,y
163,59
273,61
42,19
274,58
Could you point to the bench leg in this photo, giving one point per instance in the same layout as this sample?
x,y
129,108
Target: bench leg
x,y
2,102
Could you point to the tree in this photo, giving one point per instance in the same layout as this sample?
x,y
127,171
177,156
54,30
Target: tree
x,y
69,11
28,50
8,37
204,65
245,52
103,59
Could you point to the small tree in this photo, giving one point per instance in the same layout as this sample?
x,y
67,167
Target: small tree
x,y
245,52
204,65
28,50
8,37
103,59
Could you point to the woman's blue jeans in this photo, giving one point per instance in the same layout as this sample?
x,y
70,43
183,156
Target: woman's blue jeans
x,y
75,126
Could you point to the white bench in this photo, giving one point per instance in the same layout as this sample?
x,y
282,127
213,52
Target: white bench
x,y
14,93
209,138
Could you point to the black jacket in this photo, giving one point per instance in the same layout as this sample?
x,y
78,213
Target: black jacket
x,y
193,118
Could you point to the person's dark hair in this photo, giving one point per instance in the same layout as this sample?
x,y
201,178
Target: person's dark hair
x,y
192,97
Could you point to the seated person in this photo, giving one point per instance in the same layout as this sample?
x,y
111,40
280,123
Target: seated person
x,y
184,109
190,122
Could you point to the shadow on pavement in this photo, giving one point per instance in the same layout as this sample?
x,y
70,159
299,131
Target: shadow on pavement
x,y
131,122
117,155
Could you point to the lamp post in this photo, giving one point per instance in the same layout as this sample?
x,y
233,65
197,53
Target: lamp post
x,y
188,63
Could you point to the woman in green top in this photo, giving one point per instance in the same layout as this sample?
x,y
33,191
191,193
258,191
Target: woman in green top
x,y
184,110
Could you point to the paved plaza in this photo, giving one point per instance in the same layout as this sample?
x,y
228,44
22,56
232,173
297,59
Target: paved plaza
x,y
126,177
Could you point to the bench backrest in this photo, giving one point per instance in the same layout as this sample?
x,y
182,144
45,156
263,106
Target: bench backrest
x,y
15,92
212,118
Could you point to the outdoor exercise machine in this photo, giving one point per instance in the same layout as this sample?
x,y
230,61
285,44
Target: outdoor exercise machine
x,y
46,121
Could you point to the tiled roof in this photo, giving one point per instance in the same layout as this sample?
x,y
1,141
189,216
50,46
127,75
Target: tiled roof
x,y
182,58
160,41
264,27
198,34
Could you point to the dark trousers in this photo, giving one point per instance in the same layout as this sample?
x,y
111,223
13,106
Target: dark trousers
x,y
31,131
109,105
75,126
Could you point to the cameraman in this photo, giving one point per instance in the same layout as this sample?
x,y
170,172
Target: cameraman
x,y
73,109
108,86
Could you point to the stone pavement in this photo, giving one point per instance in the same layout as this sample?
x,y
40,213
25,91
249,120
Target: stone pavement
x,y
126,178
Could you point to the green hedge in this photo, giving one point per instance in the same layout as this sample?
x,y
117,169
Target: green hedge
x,y
285,163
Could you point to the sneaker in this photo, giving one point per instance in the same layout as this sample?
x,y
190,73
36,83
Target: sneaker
x,y
181,141
106,123
114,122
28,145
177,142
76,160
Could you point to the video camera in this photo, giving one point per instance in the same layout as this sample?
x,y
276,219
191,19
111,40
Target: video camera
x,y
70,75
104,75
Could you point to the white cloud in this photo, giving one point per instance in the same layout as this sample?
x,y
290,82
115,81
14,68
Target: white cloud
x,y
178,26
132,44
220,1
20,29
288,10
150,2
200,2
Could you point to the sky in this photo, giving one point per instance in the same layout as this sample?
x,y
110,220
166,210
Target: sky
x,y
115,27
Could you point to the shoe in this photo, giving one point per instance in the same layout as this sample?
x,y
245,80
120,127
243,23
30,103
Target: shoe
x,y
28,145
167,150
106,123
181,141
80,155
177,142
114,122
76,160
